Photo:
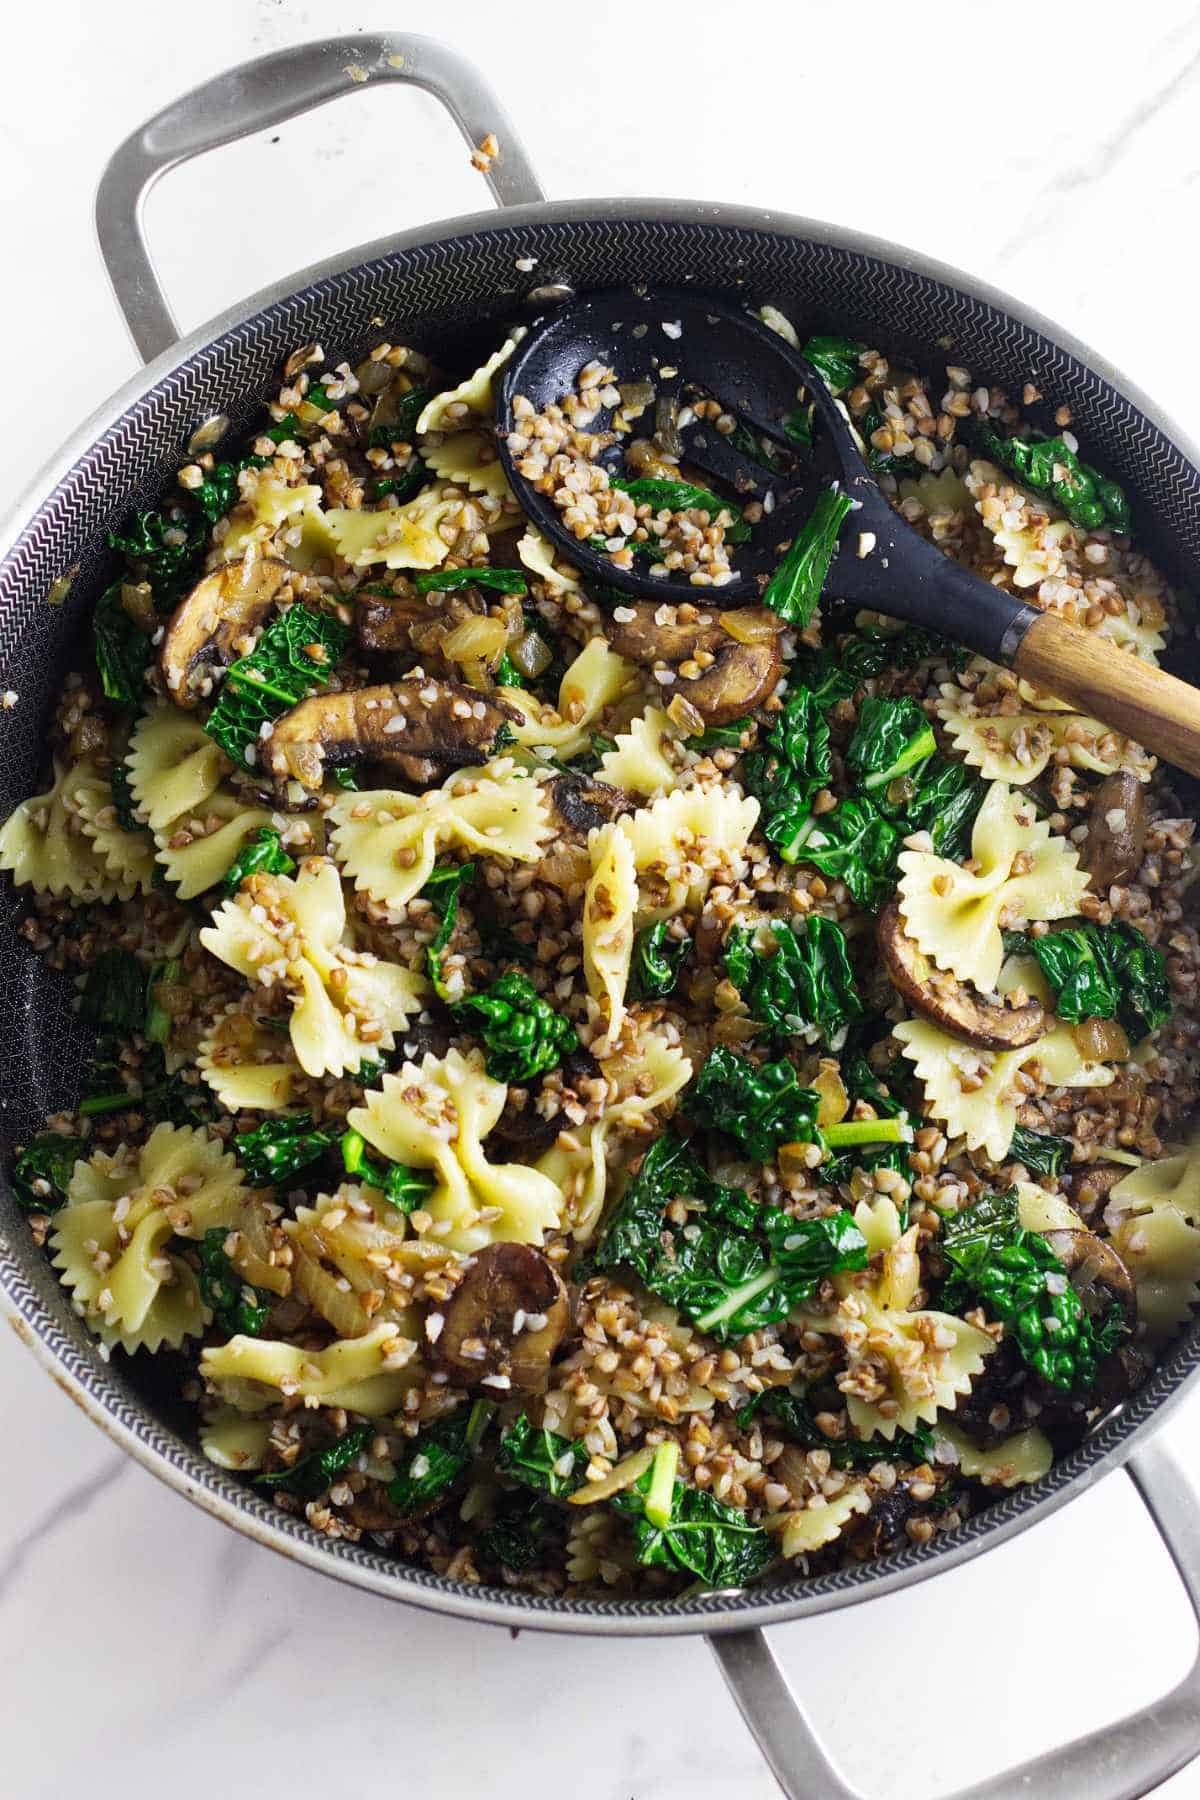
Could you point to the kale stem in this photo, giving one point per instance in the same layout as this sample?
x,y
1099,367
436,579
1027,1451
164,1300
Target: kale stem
x,y
661,1494
867,1131
107,1103
737,1298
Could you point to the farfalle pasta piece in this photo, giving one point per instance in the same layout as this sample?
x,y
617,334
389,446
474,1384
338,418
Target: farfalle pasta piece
x,y
596,679
1016,747
682,839
639,764
174,766
436,1116
468,458
369,1374
247,1062
347,1262
473,397
1171,1180
109,1240
820,1522
280,930
128,856
272,504
609,904
399,537
201,862
1014,1462
943,493
1161,1250
234,1440
1021,873
44,844
975,1094
387,841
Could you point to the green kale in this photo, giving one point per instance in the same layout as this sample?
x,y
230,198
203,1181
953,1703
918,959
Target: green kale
x,y
403,428
734,1266
402,1187
891,744
283,429
787,773
1106,972
657,961
516,1537
261,854
794,590
310,1475
836,361
798,427
123,801
793,1416
218,493
235,1305
42,1171
721,737
760,1106
692,1533
855,844
164,548
291,660
122,650
1041,1153
855,1137
522,1033
947,800
541,1460
114,993
1017,1279
442,890
157,1025
440,1456
501,581
806,981
345,777
280,1147
683,496
1048,466
507,673
883,462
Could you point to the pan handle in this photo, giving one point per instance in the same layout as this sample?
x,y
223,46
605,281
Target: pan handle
x,y
262,93
1120,1762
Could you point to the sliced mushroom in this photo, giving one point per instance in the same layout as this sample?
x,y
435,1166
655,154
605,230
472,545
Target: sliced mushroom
x,y
1088,1187
958,1009
743,673
212,627
384,625
392,724
506,1286
1095,1271
582,804
1116,838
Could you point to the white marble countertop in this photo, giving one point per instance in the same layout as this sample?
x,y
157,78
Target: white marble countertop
x,y
1050,150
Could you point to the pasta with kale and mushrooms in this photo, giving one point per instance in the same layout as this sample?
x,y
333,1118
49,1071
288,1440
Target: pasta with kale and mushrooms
x,y
573,1128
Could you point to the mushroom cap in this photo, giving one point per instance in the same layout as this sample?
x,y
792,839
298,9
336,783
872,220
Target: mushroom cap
x,y
445,724
209,628
743,673
958,1008
1116,836
502,1282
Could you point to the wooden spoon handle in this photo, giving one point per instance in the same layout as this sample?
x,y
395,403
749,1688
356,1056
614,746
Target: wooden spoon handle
x,y
1145,703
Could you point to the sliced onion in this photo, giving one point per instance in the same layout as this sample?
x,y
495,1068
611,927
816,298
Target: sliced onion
x,y
666,425
480,639
531,654
752,624
834,1099
624,1475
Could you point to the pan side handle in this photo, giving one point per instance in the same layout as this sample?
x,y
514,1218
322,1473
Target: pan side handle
x,y
1121,1762
259,94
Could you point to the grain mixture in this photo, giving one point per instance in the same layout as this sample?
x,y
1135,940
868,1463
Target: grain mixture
x,y
604,1097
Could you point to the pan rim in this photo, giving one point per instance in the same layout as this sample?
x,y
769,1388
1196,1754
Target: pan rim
x,y
294,1538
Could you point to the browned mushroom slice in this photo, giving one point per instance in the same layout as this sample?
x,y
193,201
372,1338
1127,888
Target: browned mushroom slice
x,y
506,1318
747,661
1116,838
582,804
449,725
212,627
1097,1274
958,1009
381,625
1088,1186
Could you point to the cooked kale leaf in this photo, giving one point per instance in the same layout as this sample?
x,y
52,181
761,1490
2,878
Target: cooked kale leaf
x,y
657,961
805,981
114,994
235,1305
1041,1153
439,1458
1049,466
541,1459
793,1415
261,854
721,737
291,660
891,744
786,774
854,844
402,1187
759,1105
442,890
701,1537
794,590
516,1537
122,650
280,1147
1106,972
441,581
310,1475
683,496
165,548
835,359
522,1033
42,1171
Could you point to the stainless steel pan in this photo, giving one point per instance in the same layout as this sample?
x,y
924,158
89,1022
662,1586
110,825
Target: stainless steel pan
x,y
450,285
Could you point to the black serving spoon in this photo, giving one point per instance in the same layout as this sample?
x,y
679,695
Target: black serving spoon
x,y
686,344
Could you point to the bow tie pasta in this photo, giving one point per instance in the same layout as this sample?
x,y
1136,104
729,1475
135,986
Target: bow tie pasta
x,y
347,1005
